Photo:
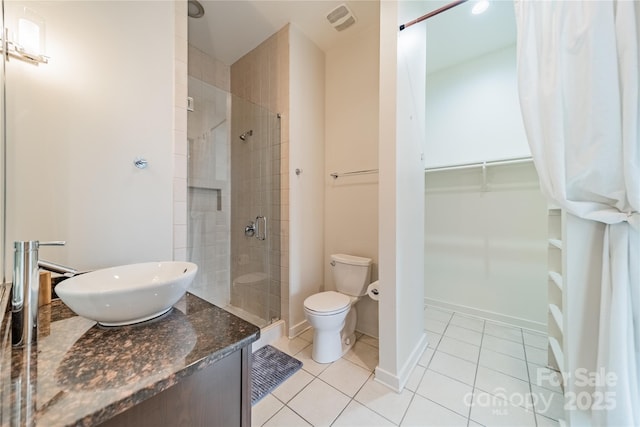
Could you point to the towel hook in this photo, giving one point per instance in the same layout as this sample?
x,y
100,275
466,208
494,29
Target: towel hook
x,y
140,163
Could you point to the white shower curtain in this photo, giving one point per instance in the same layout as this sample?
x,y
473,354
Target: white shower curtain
x,y
578,76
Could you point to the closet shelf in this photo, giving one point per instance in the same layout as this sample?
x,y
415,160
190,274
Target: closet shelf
x,y
556,278
482,164
557,353
556,256
557,243
557,315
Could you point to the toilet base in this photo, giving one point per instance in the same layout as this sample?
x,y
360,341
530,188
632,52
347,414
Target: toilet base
x,y
347,343
329,346
333,347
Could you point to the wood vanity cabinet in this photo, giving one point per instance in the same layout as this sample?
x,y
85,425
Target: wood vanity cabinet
x,y
218,395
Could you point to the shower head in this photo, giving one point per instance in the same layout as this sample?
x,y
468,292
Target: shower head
x,y
246,134
195,9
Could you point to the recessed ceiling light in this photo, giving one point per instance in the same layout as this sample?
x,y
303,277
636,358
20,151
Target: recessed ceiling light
x,y
480,7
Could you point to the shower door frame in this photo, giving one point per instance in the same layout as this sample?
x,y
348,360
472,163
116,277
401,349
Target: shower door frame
x,y
255,192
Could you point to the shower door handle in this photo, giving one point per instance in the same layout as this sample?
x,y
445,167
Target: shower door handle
x,y
261,232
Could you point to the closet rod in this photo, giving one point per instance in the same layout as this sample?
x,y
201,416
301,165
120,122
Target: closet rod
x,y
432,13
480,164
335,175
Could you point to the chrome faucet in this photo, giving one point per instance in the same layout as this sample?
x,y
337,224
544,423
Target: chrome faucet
x,y
56,268
25,290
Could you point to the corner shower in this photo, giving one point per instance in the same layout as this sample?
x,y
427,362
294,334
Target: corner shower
x,y
234,203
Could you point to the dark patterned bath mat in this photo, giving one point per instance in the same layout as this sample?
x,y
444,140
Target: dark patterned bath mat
x,y
270,368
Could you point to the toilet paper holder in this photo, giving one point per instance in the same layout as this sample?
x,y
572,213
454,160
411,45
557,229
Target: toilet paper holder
x,y
373,290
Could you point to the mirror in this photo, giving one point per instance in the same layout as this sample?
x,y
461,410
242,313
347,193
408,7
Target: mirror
x,y
75,126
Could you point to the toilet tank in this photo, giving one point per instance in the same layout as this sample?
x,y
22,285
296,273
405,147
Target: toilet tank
x,y
351,274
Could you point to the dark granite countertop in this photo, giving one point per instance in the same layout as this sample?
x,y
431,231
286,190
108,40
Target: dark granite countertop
x,y
81,374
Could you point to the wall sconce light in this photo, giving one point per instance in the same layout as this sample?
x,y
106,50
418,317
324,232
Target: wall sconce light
x,y
29,43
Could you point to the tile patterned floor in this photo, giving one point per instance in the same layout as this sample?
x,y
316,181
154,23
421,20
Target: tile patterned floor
x,y
474,372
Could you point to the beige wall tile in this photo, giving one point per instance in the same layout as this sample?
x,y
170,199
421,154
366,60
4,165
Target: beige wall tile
x,y
261,77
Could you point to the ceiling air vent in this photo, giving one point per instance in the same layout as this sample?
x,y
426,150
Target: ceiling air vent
x,y
341,17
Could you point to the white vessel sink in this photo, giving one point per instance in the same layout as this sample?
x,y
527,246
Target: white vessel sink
x,y
127,294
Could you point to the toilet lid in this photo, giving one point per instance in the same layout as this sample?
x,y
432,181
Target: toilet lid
x,y
328,302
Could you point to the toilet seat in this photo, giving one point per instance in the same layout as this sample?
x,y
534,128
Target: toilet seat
x,y
327,303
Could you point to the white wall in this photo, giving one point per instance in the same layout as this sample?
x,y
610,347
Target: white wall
x,y
351,203
486,251
306,152
401,225
473,112
75,126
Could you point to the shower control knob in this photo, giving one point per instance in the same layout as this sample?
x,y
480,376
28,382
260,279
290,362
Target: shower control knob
x,y
250,229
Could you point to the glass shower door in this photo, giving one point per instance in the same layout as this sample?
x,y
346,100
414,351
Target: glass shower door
x,y
234,203
255,209
208,192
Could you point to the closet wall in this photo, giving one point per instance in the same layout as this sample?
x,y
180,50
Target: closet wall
x,y
473,112
485,232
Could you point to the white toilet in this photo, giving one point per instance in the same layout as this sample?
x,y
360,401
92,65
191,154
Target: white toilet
x,y
333,314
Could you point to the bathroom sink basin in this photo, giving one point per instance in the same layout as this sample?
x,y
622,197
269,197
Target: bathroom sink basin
x,y
127,294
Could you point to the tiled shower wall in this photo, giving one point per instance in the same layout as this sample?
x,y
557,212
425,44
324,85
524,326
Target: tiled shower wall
x,y
262,77
255,168
209,191
180,134
189,62
207,69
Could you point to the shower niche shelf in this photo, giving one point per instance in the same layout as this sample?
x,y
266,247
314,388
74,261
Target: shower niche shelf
x,y
217,194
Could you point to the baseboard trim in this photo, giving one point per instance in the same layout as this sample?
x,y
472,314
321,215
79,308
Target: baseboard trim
x,y
387,379
397,382
489,315
299,328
